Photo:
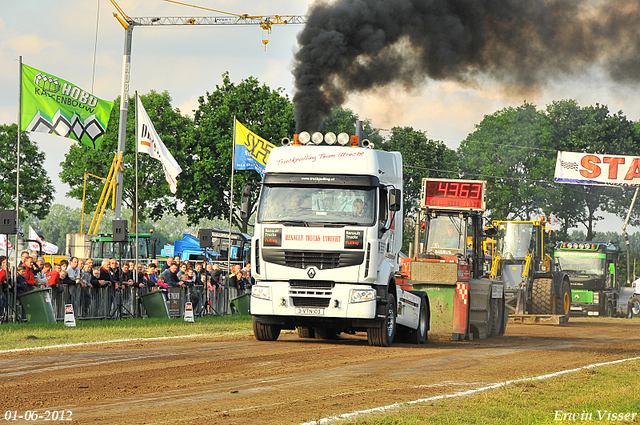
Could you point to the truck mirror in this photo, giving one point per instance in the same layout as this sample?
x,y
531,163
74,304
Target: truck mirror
x,y
491,231
395,199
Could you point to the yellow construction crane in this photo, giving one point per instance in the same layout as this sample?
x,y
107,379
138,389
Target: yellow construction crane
x,y
265,22
128,23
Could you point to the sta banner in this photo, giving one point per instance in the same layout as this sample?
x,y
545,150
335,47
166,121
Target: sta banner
x,y
252,151
590,168
55,106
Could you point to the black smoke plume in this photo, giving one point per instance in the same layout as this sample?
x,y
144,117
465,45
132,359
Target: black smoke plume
x,y
353,46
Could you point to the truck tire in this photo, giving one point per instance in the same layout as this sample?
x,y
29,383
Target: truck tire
x,y
383,334
265,332
419,336
305,332
325,333
563,300
635,306
497,316
542,297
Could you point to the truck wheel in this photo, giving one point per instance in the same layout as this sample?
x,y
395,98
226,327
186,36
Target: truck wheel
x,y
305,332
419,336
635,306
542,297
265,332
497,316
383,334
325,333
563,300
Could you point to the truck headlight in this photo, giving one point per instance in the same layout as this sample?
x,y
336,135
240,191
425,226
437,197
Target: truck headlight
x,y
361,295
596,298
261,292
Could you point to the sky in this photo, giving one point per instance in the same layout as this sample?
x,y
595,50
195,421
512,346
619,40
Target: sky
x,y
59,37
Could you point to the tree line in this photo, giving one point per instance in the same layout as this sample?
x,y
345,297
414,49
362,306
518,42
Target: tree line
x,y
514,149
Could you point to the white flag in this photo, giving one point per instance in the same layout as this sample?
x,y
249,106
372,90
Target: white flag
x,y
47,247
3,244
149,142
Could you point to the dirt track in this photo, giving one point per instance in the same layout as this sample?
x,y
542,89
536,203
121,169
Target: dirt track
x,y
222,380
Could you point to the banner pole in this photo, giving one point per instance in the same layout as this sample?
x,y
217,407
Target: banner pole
x,y
15,265
135,274
233,160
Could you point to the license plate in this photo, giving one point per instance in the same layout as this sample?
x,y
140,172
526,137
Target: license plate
x,y
310,311
497,291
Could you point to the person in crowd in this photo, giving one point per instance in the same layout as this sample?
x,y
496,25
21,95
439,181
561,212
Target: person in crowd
x,y
104,271
252,281
127,275
235,281
21,281
96,278
115,273
41,276
189,283
23,255
182,271
142,277
161,283
167,265
64,264
246,282
53,277
201,276
5,287
170,276
85,283
81,264
29,277
152,274
73,271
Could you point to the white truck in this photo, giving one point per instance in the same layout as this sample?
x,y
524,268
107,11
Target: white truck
x,y
328,234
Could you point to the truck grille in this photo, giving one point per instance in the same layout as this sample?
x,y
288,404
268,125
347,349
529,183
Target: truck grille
x,y
306,259
310,302
312,284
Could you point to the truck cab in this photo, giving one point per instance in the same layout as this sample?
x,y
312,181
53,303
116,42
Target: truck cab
x,y
327,239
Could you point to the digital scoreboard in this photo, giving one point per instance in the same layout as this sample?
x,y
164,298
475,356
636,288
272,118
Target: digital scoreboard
x,y
454,194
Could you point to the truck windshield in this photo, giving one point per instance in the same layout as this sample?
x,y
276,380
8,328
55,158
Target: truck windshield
x,y
515,240
320,206
581,265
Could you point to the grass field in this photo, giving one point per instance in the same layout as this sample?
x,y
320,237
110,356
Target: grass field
x,y
603,395
28,335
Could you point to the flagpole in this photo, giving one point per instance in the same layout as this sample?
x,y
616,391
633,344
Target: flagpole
x,y
15,265
233,159
135,274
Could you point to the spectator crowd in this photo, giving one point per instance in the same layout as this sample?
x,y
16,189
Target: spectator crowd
x,y
33,272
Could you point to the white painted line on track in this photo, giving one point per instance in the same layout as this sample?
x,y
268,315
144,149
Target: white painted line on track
x,y
462,393
79,344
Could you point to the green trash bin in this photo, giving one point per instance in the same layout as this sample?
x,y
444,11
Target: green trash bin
x,y
37,307
241,304
154,304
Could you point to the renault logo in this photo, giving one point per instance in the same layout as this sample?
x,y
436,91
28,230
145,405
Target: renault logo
x,y
311,272
576,297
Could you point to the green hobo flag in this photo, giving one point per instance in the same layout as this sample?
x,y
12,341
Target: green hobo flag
x,y
55,106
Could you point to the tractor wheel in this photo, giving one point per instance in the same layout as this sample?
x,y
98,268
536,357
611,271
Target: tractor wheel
x,y
383,334
563,300
497,318
419,336
542,297
635,306
265,332
305,332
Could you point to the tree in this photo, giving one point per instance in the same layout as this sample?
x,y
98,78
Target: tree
x,y
36,189
154,196
510,150
205,185
421,157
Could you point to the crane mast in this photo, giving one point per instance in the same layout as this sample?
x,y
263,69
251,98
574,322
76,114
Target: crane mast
x,y
128,23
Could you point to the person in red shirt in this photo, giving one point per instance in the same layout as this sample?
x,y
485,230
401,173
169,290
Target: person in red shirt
x,y
29,277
